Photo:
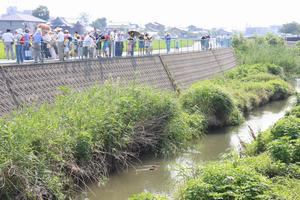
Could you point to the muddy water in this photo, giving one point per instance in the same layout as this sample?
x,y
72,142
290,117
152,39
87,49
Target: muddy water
x,y
161,174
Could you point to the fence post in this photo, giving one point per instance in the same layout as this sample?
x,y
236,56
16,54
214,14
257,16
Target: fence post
x,y
187,45
172,80
193,45
159,46
181,46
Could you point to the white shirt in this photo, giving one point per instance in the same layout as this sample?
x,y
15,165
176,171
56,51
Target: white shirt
x,y
60,37
88,41
8,37
112,35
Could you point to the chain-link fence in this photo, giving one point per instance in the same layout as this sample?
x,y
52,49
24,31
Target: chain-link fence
x,y
46,52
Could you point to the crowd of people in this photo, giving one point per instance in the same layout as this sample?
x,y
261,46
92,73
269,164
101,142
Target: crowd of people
x,y
46,44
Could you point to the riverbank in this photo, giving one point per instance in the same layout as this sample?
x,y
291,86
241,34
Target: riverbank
x,y
267,169
54,150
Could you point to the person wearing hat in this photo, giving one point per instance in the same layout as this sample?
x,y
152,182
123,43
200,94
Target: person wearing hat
x,y
8,40
20,40
60,43
168,42
36,46
27,52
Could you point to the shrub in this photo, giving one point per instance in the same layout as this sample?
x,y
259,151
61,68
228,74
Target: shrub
x,y
146,196
280,150
267,49
287,127
225,181
209,100
86,135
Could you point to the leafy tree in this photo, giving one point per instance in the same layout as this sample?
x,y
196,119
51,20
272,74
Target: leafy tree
x,y
84,18
292,28
41,12
100,23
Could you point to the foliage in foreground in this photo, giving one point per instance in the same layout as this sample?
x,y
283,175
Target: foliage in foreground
x,y
51,151
146,196
223,100
269,170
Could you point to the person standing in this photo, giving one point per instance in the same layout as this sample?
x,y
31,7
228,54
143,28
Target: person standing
x,y
119,45
37,42
8,40
112,37
60,43
27,52
20,40
141,40
49,44
86,44
168,42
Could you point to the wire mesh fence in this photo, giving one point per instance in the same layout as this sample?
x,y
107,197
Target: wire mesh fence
x,y
46,52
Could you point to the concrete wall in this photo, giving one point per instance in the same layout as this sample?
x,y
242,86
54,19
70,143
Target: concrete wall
x,y
188,68
25,84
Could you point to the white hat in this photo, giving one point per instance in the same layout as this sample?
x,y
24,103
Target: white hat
x,y
19,31
57,29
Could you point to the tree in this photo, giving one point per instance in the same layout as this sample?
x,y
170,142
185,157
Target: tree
x,y
292,28
84,18
100,23
41,12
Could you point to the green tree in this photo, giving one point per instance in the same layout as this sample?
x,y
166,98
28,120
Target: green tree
x,y
292,28
84,18
100,23
41,12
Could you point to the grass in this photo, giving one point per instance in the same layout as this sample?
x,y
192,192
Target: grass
x,y
55,149
223,100
268,49
161,44
2,51
269,167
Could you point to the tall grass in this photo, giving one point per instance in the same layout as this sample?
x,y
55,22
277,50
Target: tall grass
x,y
223,100
269,168
268,49
51,151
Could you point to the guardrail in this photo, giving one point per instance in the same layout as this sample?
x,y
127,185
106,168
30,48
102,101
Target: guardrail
x,y
122,49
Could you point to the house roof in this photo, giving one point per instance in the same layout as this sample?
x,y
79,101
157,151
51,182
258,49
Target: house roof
x,y
21,17
60,22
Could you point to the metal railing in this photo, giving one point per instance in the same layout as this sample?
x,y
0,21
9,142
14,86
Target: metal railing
x,y
117,49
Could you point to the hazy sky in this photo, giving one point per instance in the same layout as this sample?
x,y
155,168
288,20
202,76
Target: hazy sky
x,y
229,14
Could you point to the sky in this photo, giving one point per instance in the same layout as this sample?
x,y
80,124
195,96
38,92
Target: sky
x,y
228,14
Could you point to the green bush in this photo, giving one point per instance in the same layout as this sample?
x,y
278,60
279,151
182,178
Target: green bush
x,y
225,181
210,101
146,196
280,150
267,49
296,151
295,112
84,135
287,127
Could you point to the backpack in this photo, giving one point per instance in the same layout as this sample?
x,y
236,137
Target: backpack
x,y
22,40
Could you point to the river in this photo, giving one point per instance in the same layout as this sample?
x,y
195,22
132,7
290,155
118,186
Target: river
x,y
163,178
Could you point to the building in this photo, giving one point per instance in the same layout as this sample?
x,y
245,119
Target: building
x,y
60,22
16,21
124,26
155,27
